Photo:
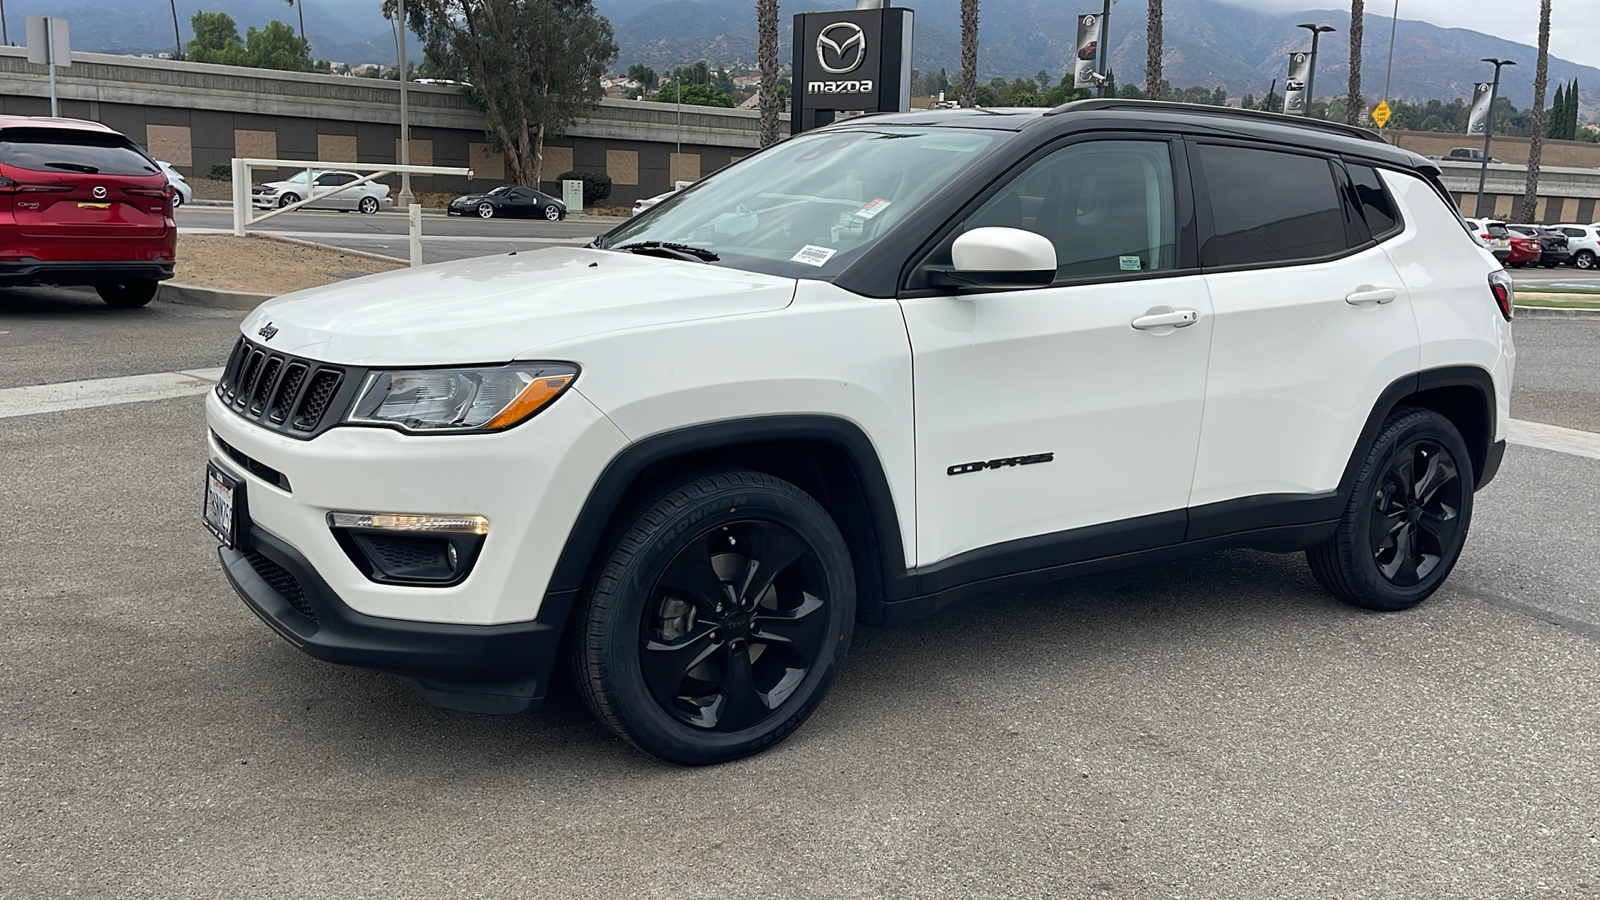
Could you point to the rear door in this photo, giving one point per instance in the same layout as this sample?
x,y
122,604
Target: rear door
x,y
1312,322
73,185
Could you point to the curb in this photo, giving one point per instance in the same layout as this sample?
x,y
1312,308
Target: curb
x,y
191,295
1556,312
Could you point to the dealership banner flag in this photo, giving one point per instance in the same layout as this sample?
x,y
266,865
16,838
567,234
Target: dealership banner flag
x,y
1479,117
1088,46
1295,101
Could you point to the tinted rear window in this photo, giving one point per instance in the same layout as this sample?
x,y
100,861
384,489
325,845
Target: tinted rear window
x,y
1376,205
1270,207
65,151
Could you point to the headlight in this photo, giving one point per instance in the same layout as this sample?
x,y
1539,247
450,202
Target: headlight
x,y
453,401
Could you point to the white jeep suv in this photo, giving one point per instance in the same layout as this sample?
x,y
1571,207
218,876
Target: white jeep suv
x,y
863,374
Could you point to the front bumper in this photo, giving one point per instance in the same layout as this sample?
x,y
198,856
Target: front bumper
x,y
478,668
28,272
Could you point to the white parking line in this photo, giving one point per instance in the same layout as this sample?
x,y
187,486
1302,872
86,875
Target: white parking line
x,y
1554,437
48,398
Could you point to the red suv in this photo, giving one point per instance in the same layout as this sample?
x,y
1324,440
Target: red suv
x,y
81,204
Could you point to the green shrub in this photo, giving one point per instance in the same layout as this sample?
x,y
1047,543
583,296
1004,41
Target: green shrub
x,y
596,185
221,172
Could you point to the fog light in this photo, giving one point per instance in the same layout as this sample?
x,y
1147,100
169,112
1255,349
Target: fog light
x,y
410,549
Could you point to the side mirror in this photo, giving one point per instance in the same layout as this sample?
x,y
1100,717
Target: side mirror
x,y
1002,258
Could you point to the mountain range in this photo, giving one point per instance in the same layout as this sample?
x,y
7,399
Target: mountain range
x,y
1208,43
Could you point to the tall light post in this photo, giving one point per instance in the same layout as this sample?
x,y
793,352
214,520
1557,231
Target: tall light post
x,y
406,198
1394,25
1488,127
1105,50
1317,31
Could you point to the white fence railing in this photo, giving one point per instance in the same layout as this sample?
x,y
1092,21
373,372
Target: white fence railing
x,y
244,208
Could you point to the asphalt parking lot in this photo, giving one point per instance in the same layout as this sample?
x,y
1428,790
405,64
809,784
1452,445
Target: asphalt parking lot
x,y
1215,727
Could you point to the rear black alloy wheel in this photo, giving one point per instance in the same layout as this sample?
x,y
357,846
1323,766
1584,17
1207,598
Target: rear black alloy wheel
x,y
485,210
1407,518
129,294
719,620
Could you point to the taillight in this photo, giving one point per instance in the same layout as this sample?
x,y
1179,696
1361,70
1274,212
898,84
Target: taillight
x,y
1505,292
163,191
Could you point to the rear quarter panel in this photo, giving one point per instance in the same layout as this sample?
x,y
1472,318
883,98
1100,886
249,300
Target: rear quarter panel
x,y
1447,274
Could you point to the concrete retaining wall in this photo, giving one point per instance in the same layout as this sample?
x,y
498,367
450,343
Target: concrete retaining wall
x,y
196,116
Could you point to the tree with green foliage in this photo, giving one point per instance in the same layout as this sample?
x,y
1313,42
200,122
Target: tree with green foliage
x,y
534,65
644,75
691,95
216,40
275,47
1557,114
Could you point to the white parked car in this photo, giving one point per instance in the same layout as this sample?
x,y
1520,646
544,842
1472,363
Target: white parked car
x,y
1493,234
368,197
1584,242
649,203
857,379
183,192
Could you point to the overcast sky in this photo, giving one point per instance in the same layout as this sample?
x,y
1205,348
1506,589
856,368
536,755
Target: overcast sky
x,y
1574,31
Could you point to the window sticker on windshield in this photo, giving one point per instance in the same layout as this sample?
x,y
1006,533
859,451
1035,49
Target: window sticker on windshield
x,y
812,255
872,209
1131,264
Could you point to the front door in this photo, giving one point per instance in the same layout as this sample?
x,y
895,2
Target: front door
x,y
1043,410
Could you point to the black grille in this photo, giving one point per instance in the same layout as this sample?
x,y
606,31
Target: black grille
x,y
293,396
406,553
279,579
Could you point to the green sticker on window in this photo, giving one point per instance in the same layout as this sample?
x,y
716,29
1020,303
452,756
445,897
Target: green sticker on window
x,y
1131,264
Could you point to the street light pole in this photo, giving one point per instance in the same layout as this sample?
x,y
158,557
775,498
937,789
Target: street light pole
x,y
406,198
1394,25
1317,31
1488,128
1105,50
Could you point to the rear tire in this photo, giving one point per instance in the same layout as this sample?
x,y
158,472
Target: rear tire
x,y
1407,517
128,294
1584,260
369,206
719,620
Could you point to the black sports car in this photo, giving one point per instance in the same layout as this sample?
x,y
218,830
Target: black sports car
x,y
509,200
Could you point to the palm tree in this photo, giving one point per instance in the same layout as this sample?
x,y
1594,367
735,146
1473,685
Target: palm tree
x,y
1152,64
1358,22
177,36
767,58
969,53
299,7
1541,81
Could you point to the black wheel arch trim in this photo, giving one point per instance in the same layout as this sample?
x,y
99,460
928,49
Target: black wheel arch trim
x,y
589,530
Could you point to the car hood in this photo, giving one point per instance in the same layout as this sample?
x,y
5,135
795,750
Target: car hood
x,y
495,309
470,198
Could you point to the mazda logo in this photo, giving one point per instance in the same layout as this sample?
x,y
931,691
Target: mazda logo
x,y
99,193
1088,21
1299,57
845,44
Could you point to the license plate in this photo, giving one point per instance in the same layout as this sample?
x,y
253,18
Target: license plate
x,y
223,494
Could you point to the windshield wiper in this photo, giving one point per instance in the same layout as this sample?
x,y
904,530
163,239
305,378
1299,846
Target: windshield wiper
x,y
75,167
671,251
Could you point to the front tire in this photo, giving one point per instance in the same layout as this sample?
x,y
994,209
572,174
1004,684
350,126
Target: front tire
x,y
287,199
1407,518
719,621
128,294
485,210
552,214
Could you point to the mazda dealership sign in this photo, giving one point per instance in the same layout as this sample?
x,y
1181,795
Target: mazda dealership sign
x,y
847,61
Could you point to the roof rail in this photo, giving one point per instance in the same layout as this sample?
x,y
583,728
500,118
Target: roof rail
x,y
1220,112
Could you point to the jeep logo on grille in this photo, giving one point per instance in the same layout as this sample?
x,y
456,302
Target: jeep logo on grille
x,y
99,192
267,331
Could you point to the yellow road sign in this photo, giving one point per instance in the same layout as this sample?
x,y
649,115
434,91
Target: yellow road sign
x,y
1382,113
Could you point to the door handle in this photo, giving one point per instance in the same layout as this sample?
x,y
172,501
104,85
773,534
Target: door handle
x,y
1178,318
1374,296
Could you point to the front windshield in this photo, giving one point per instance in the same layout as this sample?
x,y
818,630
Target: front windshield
x,y
810,205
503,189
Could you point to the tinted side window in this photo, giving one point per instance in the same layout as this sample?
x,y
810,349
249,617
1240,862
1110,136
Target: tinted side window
x,y
1498,231
1270,207
1106,205
63,151
1383,220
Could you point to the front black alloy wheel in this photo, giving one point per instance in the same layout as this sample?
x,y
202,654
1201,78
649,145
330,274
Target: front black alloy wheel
x,y
719,620
1407,518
